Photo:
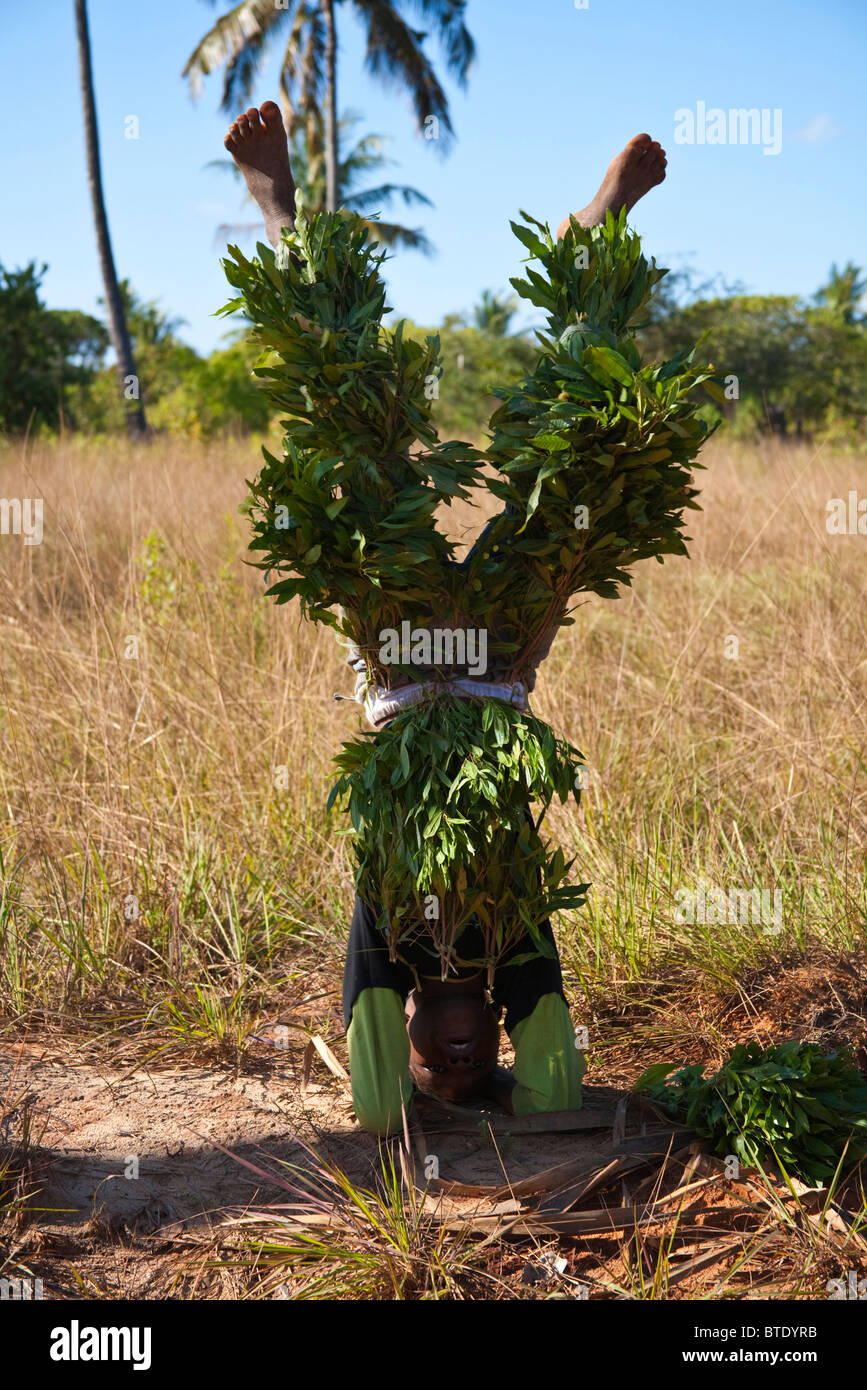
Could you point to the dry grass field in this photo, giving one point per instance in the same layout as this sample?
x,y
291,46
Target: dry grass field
x,y
174,899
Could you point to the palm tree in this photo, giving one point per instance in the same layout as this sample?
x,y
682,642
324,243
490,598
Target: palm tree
x,y
843,292
117,325
332,175
308,71
362,159
493,314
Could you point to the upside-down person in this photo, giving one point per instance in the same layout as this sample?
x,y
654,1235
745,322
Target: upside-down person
x,y
407,1027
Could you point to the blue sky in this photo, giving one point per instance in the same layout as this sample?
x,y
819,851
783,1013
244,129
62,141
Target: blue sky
x,y
555,92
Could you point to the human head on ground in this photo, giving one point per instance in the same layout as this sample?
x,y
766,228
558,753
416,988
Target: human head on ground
x,y
453,1039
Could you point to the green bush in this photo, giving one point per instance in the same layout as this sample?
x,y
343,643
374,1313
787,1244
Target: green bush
x,y
46,355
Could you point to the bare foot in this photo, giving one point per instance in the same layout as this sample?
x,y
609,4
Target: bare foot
x,y
258,145
633,172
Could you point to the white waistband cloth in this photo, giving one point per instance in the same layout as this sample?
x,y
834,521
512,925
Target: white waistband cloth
x,y
381,704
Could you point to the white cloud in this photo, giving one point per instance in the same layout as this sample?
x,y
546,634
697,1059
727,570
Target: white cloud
x,y
818,130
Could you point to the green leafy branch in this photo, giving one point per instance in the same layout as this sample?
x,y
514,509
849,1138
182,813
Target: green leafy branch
x,y
594,450
346,515
804,1107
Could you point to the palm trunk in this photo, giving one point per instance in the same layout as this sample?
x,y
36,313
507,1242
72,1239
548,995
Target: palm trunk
x,y
117,326
332,190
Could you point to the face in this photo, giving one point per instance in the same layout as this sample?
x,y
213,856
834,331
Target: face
x,y
453,1043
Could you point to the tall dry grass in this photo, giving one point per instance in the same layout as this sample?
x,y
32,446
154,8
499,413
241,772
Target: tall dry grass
x,y
166,735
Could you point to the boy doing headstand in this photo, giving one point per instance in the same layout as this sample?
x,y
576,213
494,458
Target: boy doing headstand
x,y
406,1026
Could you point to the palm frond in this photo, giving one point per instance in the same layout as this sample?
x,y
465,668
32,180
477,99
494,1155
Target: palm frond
x,y
395,54
393,234
375,197
367,153
302,74
454,37
244,28
240,74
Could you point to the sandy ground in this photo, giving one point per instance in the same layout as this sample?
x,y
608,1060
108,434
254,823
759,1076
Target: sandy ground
x,y
138,1169
131,1159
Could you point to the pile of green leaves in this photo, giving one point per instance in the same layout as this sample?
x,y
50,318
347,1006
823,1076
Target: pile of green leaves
x,y
438,802
804,1107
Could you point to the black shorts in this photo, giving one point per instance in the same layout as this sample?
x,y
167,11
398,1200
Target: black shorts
x,y
516,988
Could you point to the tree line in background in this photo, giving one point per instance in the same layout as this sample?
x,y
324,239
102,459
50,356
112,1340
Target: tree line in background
x,y
796,367
800,366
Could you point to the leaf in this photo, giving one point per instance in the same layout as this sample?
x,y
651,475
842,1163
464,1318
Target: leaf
x,y
529,239
611,362
551,442
715,391
653,1075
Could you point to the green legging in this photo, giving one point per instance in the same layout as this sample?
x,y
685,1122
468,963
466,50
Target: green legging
x,y
548,1066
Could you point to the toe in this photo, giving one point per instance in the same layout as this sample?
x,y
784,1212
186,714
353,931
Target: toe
x,y
253,118
243,124
270,113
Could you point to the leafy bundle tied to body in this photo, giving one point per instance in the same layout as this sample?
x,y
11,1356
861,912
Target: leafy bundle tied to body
x,y
443,836
346,515
590,456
